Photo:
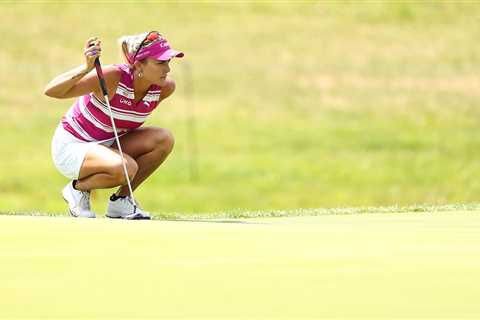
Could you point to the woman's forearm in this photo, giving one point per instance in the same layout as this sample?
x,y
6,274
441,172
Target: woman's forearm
x,y
60,85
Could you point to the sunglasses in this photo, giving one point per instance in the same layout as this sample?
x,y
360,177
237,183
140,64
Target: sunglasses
x,y
152,36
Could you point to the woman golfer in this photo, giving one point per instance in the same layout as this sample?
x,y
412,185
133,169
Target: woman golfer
x,y
84,147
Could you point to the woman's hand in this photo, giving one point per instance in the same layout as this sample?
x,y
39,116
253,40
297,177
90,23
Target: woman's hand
x,y
80,80
92,51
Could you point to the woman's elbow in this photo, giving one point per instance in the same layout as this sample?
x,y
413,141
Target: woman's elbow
x,y
51,93
48,93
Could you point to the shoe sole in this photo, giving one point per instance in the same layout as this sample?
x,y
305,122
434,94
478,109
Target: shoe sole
x,y
135,217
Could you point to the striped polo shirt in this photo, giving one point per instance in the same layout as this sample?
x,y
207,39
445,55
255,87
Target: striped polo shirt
x,y
88,119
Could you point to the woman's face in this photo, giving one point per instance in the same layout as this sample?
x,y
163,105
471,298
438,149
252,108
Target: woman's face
x,y
156,71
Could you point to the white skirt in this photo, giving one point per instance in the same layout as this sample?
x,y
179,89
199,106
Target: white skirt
x,y
68,152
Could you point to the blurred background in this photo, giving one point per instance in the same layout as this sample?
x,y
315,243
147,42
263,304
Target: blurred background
x,y
278,105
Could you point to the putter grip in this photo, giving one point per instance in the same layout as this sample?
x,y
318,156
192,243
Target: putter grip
x,y
98,67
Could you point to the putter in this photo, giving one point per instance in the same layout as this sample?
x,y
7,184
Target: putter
x,y
98,67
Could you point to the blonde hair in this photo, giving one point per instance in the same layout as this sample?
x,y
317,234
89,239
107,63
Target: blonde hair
x,y
129,46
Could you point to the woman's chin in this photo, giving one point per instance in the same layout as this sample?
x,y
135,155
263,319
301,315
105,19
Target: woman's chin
x,y
161,81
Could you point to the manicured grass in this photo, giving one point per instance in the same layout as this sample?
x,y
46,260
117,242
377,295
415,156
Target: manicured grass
x,y
330,104
361,266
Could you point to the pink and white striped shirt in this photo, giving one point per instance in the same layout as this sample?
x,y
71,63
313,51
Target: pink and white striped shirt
x,y
88,119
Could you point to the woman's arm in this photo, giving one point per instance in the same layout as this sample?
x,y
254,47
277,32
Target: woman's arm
x,y
79,82
66,85
83,79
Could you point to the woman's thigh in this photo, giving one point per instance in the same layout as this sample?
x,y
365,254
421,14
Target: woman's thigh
x,y
144,140
102,159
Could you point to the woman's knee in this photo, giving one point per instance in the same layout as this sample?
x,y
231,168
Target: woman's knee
x,y
118,172
163,139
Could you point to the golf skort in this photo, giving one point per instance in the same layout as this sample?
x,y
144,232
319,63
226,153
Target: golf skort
x,y
69,152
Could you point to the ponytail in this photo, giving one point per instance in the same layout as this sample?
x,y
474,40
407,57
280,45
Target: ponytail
x,y
129,45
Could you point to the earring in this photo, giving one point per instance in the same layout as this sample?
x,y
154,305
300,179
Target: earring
x,y
140,74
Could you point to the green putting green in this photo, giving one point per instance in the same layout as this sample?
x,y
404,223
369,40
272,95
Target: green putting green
x,y
365,266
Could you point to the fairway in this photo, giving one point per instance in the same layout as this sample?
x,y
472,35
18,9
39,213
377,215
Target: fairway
x,y
364,266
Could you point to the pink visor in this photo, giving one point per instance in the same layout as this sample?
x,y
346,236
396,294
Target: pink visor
x,y
158,50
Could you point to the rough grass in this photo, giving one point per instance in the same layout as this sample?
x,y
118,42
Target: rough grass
x,y
330,104
305,212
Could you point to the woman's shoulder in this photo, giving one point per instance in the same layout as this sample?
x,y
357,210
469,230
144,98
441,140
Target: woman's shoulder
x,y
123,73
111,71
122,68
113,76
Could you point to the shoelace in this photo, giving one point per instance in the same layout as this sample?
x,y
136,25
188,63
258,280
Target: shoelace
x,y
125,201
85,199
130,201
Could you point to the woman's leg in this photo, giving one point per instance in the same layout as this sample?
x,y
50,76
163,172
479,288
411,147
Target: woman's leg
x,y
149,147
103,168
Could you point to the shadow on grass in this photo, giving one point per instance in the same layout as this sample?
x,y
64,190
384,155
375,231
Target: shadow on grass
x,y
210,221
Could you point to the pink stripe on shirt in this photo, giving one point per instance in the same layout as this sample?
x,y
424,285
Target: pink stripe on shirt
x,y
88,118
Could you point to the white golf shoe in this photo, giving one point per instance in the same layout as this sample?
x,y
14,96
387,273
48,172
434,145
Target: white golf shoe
x,y
78,202
123,208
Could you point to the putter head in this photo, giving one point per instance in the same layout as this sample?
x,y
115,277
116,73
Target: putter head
x,y
137,216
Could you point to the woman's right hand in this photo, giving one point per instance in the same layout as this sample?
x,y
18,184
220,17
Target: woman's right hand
x,y
92,51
